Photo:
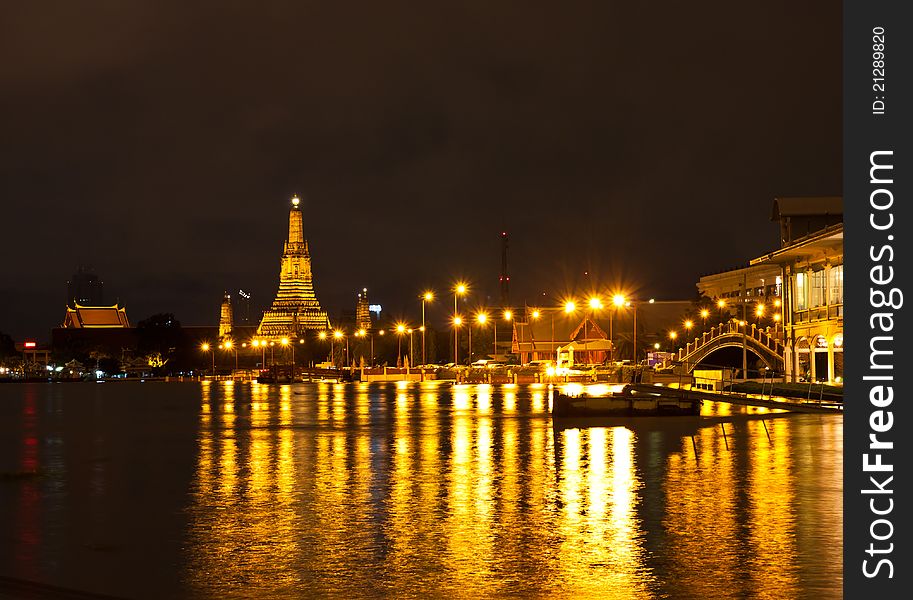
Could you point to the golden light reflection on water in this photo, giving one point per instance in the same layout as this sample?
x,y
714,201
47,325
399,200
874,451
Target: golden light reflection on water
x,y
347,489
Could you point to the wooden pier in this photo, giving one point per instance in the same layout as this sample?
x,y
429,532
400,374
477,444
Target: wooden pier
x,y
810,405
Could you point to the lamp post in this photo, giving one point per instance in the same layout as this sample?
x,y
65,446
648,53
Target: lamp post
x,y
704,314
322,336
618,301
508,315
595,304
426,297
721,304
400,330
337,335
230,345
482,318
457,321
570,307
381,333
205,347
633,306
688,325
285,344
360,334
458,290
759,312
411,357
469,331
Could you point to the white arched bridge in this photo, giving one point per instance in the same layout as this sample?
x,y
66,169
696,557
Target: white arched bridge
x,y
765,346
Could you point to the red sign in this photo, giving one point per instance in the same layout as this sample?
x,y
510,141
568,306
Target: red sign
x,y
30,344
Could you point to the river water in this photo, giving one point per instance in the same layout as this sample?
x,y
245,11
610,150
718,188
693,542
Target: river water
x,y
213,490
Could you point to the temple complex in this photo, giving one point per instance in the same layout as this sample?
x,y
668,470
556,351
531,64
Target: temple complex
x,y
295,309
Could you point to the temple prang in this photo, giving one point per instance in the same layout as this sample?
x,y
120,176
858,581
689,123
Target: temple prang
x,y
295,310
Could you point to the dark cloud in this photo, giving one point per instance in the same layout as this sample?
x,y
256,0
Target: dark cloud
x,y
160,142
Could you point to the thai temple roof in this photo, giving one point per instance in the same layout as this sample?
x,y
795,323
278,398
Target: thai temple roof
x,y
87,317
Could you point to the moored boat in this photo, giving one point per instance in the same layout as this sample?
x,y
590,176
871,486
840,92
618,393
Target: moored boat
x,y
627,403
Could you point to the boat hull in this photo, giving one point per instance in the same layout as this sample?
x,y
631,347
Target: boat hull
x,y
624,406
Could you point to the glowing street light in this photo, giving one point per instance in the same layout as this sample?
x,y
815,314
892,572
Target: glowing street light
x,y
457,321
482,318
704,314
337,335
569,307
205,347
400,330
411,358
618,300
721,304
285,344
426,297
230,345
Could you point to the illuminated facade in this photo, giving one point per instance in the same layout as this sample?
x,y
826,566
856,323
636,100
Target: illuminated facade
x,y
800,285
812,269
295,309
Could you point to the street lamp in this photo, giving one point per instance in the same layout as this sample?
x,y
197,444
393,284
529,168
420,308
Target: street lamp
x,y
457,321
595,304
482,318
257,344
205,347
759,312
426,297
618,301
285,344
337,335
360,334
400,330
704,314
411,358
459,289
230,345
508,316
535,317
721,304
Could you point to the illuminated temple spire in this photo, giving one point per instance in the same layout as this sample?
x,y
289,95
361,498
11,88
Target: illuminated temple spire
x,y
295,309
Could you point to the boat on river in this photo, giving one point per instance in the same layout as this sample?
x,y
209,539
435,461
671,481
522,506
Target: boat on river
x,y
626,403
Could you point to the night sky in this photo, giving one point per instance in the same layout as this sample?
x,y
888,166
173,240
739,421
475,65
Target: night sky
x,y
160,142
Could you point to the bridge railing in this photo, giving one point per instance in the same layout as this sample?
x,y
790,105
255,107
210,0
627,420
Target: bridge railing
x,y
759,335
